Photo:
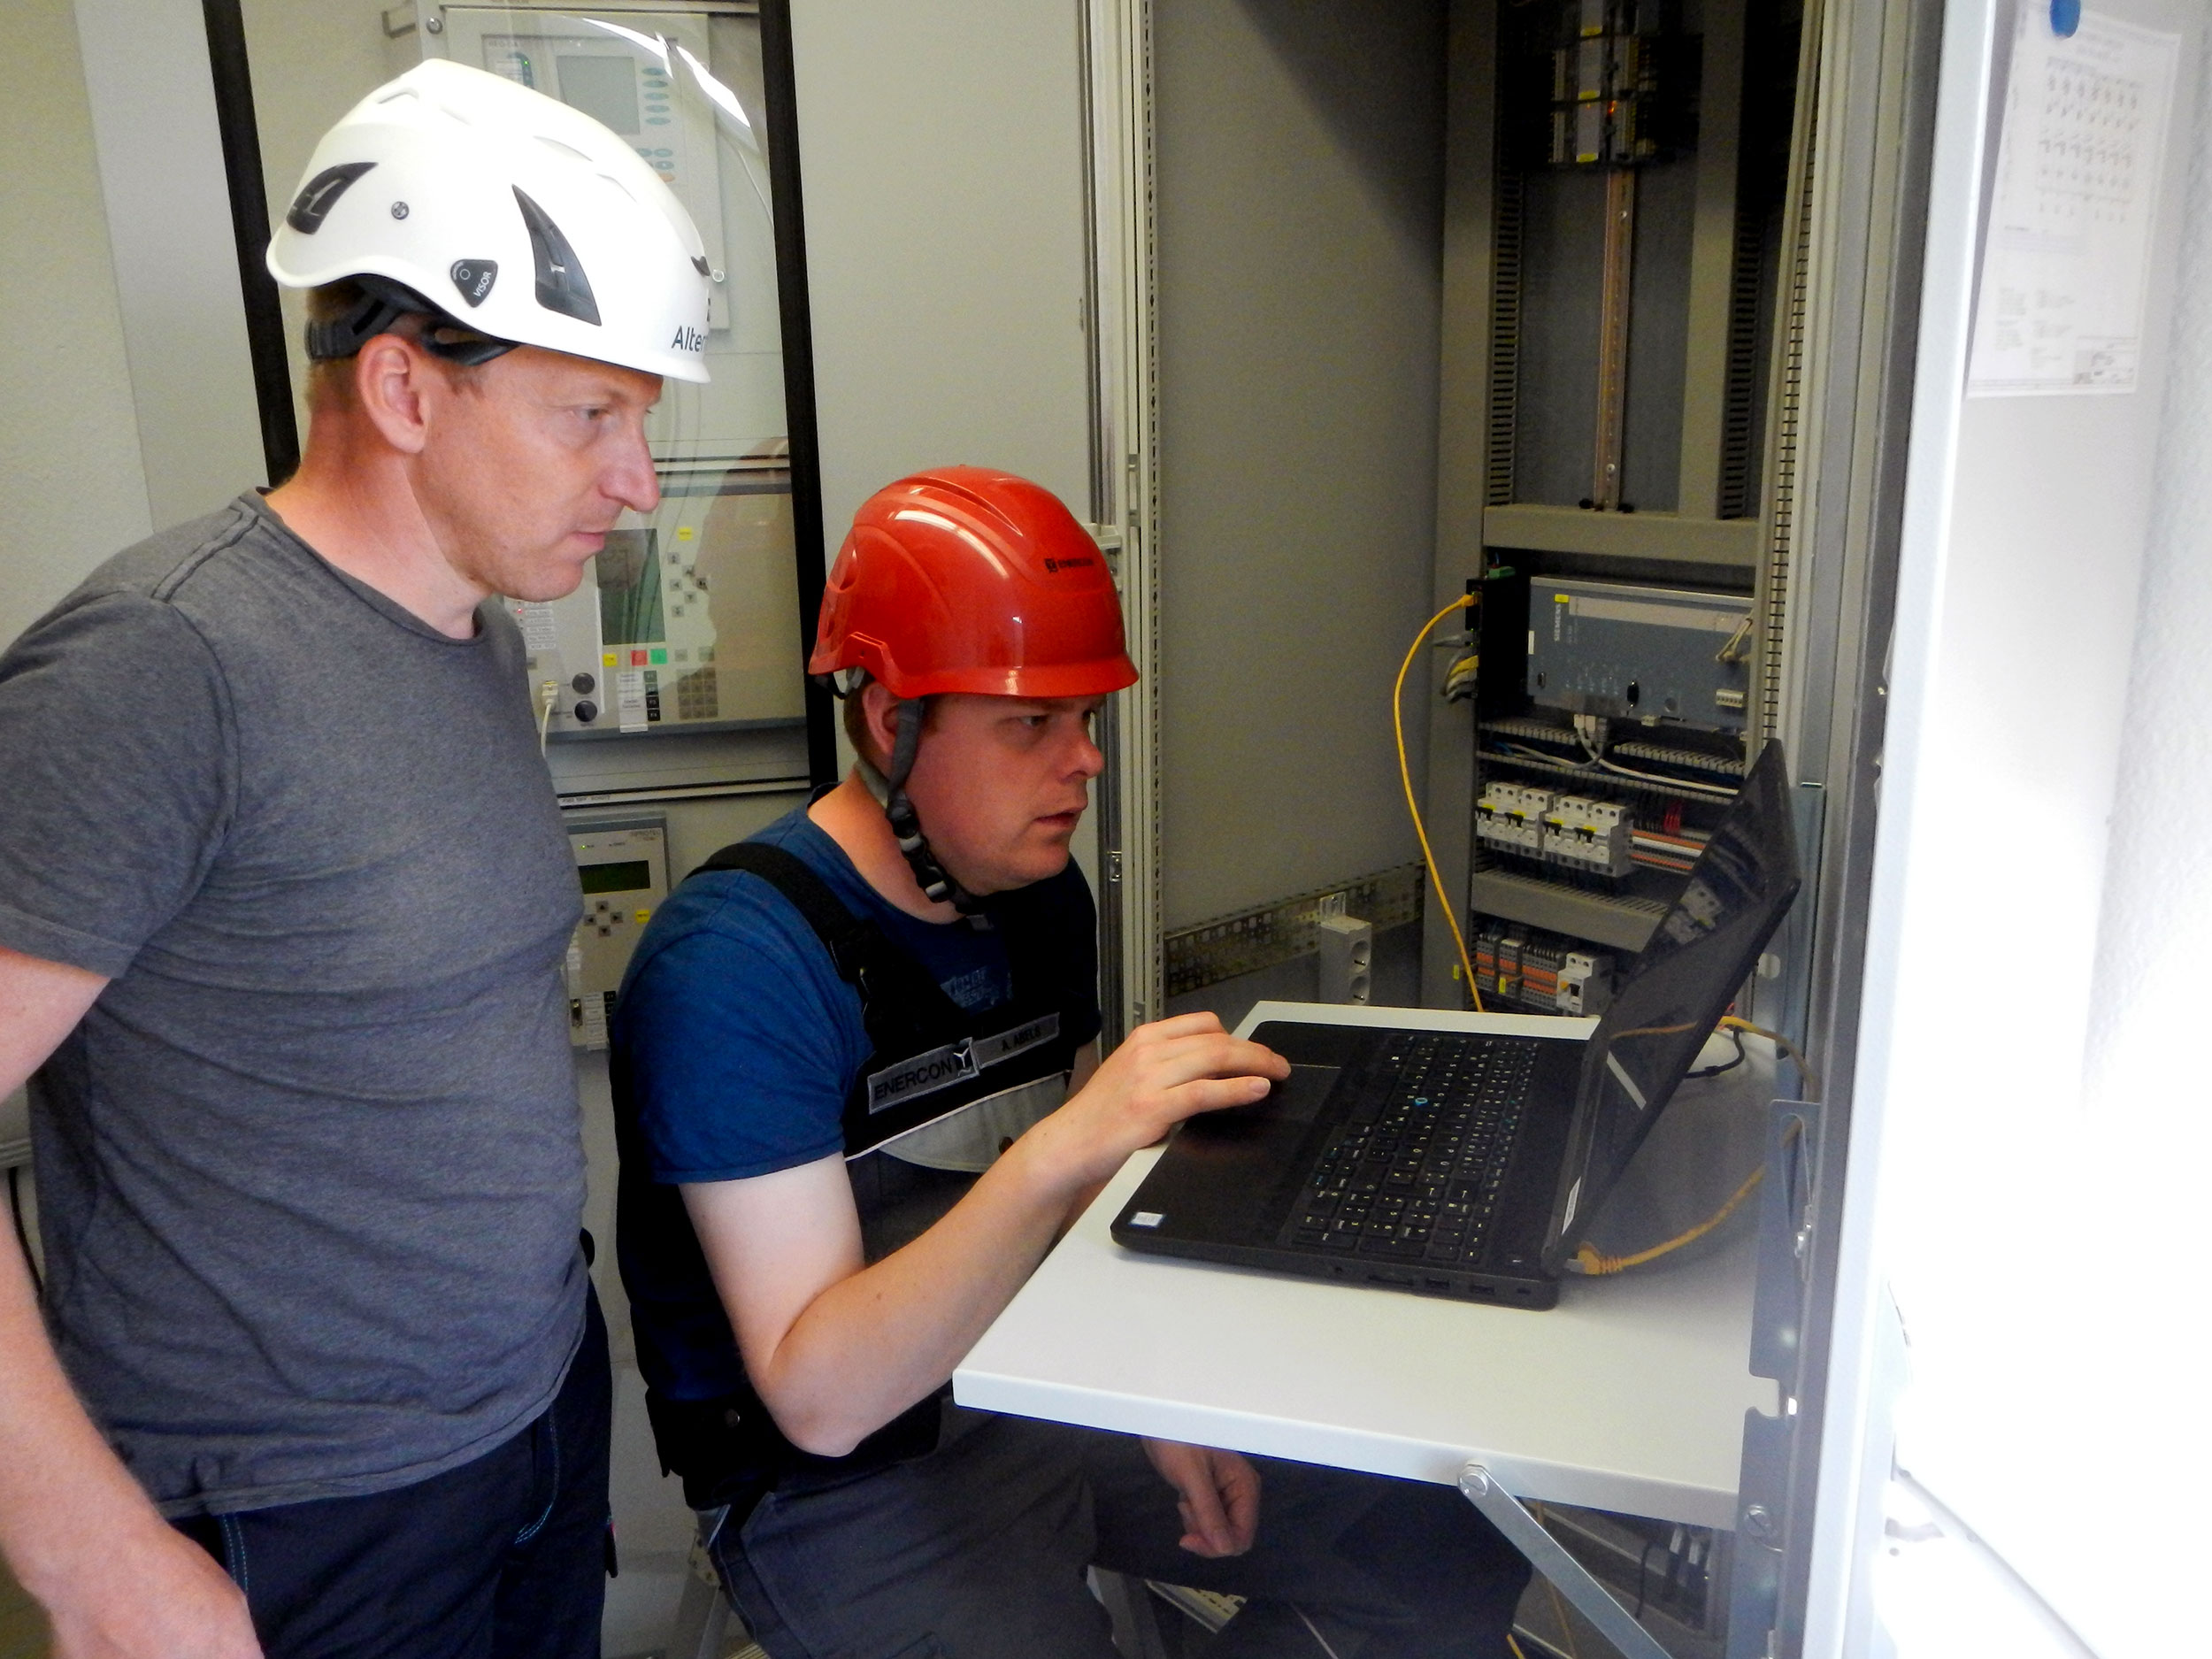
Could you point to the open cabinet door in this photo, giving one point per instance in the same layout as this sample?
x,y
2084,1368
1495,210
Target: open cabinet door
x,y
2020,1131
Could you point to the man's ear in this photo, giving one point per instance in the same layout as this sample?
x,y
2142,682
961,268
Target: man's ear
x,y
880,716
391,381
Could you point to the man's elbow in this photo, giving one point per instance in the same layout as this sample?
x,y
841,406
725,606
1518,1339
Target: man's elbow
x,y
826,1440
817,1431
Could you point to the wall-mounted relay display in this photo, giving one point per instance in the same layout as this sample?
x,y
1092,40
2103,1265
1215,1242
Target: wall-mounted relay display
x,y
622,866
1631,653
683,622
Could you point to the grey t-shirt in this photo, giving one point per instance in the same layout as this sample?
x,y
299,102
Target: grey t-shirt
x,y
309,1171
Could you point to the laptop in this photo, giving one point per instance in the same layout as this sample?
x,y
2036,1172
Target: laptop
x,y
1470,1165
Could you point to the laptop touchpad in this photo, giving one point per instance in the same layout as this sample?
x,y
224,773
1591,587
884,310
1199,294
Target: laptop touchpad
x,y
1298,1099
1278,1117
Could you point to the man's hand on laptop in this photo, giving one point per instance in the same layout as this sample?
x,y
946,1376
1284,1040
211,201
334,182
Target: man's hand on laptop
x,y
1162,1073
1219,1494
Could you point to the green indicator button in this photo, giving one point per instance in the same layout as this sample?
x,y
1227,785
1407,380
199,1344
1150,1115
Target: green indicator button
x,y
659,656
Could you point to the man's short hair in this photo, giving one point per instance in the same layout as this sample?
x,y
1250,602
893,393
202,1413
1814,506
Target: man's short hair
x,y
856,716
330,379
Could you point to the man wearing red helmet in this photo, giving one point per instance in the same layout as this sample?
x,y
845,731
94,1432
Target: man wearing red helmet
x,y
860,1094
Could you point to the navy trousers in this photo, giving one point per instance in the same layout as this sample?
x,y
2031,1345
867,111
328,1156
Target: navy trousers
x,y
505,1557
978,1551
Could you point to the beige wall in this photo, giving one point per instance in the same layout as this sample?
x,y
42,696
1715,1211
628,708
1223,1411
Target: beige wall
x,y
71,480
311,61
162,188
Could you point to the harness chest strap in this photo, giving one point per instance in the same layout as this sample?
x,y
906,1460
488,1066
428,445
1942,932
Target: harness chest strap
x,y
928,1056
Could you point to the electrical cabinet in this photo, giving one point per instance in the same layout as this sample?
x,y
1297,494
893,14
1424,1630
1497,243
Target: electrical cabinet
x,y
1612,197
1642,190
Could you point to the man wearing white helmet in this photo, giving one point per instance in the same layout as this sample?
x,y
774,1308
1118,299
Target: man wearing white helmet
x,y
284,899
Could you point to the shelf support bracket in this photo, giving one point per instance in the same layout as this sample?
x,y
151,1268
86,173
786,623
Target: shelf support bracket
x,y
1549,1557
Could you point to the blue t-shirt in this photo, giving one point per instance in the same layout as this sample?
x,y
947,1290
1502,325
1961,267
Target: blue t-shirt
x,y
734,1045
738,1041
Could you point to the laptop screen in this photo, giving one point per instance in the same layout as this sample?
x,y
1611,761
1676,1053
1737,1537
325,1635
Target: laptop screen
x,y
1683,982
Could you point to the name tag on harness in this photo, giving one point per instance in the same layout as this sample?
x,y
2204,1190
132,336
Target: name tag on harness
x,y
924,1074
1021,1040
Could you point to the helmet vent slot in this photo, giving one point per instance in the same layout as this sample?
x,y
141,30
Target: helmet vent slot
x,y
320,194
561,284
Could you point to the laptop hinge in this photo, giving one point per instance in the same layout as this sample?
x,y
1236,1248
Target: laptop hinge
x,y
1549,1557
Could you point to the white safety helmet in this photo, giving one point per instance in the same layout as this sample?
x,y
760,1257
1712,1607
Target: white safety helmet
x,y
506,216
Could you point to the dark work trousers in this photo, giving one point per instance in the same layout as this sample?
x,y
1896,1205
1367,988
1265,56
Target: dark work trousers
x,y
979,1550
504,1557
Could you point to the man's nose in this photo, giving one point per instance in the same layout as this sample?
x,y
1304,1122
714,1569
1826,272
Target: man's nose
x,y
631,478
1085,760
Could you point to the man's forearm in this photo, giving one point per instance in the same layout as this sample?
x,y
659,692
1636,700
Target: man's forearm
x,y
836,1349
67,1503
63,1493
871,1345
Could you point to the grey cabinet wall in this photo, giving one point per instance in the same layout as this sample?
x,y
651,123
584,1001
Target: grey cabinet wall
x,y
1299,204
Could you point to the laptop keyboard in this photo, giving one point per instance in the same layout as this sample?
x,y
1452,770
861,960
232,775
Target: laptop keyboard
x,y
1414,1174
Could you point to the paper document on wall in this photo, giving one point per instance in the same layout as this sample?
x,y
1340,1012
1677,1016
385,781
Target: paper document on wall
x,y
2061,304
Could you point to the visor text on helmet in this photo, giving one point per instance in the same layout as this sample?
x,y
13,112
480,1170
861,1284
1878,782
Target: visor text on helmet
x,y
1065,563
687,339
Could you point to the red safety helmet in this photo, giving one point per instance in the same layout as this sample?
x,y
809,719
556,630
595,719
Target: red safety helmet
x,y
966,579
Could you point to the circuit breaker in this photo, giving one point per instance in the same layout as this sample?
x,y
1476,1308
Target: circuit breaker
x,y
622,866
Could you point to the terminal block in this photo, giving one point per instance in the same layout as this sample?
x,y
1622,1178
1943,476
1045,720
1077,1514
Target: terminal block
x,y
1618,84
1526,969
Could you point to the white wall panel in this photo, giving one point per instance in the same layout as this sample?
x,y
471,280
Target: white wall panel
x,y
176,267
941,154
2028,1129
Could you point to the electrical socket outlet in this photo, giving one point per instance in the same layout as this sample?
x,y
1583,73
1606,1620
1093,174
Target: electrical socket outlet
x,y
1347,958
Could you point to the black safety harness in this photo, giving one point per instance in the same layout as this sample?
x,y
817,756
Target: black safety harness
x,y
929,1057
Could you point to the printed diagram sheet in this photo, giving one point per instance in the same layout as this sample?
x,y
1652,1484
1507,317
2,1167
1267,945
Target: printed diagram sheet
x,y
2061,304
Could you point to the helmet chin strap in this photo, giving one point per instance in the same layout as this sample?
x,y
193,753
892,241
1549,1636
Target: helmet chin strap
x,y
932,877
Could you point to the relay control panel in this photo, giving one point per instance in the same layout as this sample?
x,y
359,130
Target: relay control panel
x,y
681,622
1657,655
622,866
